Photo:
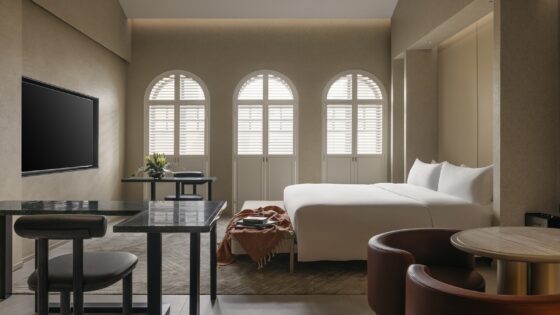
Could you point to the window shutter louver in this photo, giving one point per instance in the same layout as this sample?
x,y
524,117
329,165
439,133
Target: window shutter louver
x,y
188,102
280,129
370,129
368,89
250,129
164,89
192,129
341,89
252,89
339,129
190,89
161,129
278,89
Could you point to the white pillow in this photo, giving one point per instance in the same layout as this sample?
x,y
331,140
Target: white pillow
x,y
424,174
471,184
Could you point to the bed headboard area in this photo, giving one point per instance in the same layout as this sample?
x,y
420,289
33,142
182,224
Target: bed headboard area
x,y
465,96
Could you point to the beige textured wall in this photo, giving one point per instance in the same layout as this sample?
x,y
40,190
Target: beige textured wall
x,y
58,54
104,21
10,104
465,96
413,19
526,90
421,111
397,122
222,52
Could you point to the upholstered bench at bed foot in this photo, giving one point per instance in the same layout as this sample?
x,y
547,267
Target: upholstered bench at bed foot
x,y
287,245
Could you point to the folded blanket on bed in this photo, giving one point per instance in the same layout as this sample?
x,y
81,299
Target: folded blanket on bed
x,y
260,244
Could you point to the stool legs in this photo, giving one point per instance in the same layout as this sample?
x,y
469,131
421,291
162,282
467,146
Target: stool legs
x,y
65,303
127,295
43,277
78,265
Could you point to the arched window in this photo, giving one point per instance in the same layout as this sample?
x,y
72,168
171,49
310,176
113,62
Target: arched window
x,y
177,109
265,120
265,95
354,126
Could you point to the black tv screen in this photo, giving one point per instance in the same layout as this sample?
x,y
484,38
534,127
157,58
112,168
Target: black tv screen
x,y
59,129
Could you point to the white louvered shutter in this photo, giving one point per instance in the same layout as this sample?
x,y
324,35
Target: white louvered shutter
x,y
341,89
190,89
252,89
192,129
164,89
280,129
278,89
250,129
368,89
370,129
161,129
339,129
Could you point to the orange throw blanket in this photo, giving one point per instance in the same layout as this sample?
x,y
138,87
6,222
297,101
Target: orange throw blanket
x,y
260,244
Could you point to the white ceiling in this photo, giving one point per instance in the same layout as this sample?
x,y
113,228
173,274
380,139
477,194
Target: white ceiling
x,y
259,9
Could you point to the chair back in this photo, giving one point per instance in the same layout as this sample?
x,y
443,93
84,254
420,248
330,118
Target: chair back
x,y
426,295
61,226
188,174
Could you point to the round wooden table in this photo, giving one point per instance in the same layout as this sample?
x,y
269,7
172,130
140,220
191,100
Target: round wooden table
x,y
528,257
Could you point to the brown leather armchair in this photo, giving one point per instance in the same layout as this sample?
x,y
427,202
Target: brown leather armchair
x,y
390,254
428,296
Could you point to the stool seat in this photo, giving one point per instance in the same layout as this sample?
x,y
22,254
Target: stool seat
x,y
101,269
184,198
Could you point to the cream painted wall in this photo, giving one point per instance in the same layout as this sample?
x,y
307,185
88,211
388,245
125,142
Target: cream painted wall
x,y
10,108
104,21
222,52
397,121
413,19
465,96
56,53
420,107
526,108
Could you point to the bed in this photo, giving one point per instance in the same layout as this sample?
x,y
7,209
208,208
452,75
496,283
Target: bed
x,y
335,221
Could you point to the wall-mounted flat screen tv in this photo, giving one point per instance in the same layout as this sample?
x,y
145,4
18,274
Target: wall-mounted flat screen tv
x,y
59,129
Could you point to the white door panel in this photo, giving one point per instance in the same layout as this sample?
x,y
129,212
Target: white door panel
x,y
339,170
370,170
280,173
249,179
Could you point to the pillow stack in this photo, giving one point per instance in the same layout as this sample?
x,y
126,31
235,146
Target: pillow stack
x,y
471,184
424,174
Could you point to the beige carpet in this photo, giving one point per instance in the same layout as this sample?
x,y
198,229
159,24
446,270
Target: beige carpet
x,y
242,277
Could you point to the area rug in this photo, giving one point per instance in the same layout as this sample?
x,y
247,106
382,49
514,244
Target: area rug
x,y
241,277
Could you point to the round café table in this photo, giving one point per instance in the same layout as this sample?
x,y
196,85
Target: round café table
x,y
528,257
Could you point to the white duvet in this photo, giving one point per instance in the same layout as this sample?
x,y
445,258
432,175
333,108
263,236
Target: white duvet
x,y
335,221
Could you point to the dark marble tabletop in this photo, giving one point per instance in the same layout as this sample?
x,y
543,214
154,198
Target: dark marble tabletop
x,y
174,217
169,179
73,207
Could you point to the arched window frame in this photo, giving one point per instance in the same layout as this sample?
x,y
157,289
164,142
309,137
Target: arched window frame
x,y
355,102
266,102
177,102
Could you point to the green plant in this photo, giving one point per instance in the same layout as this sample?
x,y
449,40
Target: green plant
x,y
156,165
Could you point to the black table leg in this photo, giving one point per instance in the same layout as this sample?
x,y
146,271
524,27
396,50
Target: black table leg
x,y
5,256
154,274
177,191
213,264
153,190
194,298
209,191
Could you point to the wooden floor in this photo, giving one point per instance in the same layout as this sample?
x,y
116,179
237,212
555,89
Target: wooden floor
x,y
230,304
